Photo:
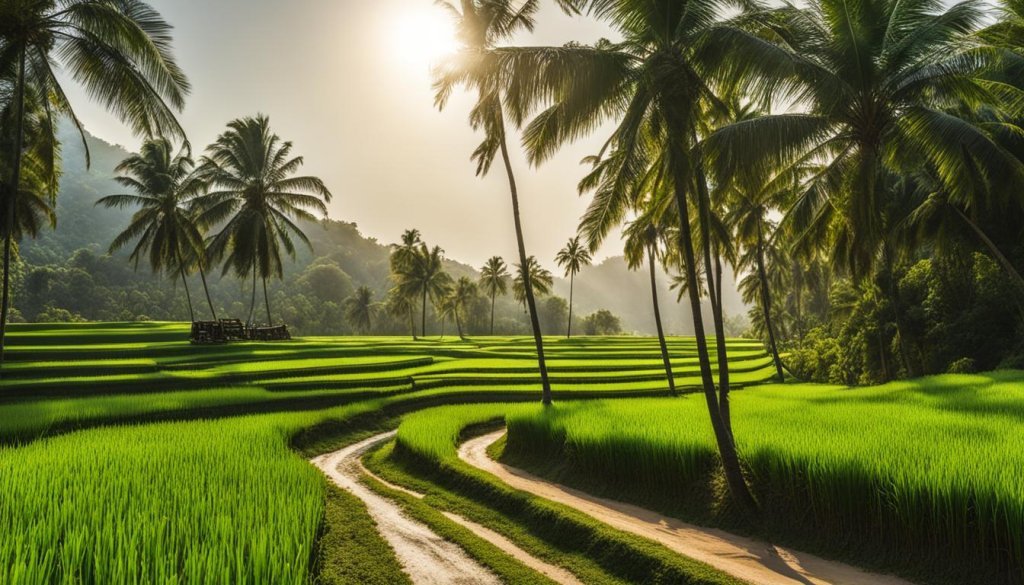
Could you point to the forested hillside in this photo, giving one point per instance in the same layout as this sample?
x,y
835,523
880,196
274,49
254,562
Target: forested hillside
x,y
66,274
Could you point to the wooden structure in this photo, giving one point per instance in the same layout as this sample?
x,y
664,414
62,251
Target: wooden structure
x,y
227,330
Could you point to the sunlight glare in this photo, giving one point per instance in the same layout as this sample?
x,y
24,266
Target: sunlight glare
x,y
423,37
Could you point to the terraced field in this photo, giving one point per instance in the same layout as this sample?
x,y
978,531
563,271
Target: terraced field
x,y
63,376
128,455
133,456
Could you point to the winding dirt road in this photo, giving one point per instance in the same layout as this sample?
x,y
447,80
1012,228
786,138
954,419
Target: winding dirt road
x,y
751,560
426,557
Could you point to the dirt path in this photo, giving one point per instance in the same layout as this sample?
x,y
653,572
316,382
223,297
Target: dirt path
x,y
748,559
426,557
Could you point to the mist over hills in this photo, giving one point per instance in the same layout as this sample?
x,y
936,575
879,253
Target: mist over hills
x,y
67,274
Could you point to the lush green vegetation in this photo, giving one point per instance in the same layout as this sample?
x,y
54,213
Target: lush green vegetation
x,y
899,501
424,458
140,504
858,161
918,476
84,502
65,376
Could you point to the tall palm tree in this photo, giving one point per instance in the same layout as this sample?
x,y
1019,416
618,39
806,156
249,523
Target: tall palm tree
x,y
644,237
494,281
400,304
253,195
359,309
163,229
572,258
402,253
885,85
751,206
400,259
35,198
481,25
657,85
446,307
540,281
120,52
462,294
424,277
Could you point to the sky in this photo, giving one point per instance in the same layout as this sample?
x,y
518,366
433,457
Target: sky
x,y
348,82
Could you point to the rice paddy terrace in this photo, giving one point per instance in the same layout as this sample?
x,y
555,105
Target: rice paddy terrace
x,y
129,455
61,376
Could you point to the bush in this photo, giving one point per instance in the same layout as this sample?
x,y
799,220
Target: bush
x,y
962,366
602,322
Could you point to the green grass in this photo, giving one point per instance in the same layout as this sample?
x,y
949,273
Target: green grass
x,y
921,476
349,550
426,448
140,504
65,377
206,485
507,568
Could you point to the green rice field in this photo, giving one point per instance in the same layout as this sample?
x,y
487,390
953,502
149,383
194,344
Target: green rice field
x,y
129,455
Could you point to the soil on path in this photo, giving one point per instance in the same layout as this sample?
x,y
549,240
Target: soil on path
x,y
424,555
751,560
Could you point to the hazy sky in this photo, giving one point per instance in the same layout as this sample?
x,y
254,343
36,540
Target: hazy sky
x,y
343,80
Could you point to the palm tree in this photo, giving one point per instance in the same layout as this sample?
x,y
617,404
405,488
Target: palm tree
x,y
540,281
494,281
572,258
399,261
644,236
359,309
658,85
402,253
749,217
424,277
254,196
119,51
462,294
480,26
885,86
400,304
445,307
163,229
38,184
40,167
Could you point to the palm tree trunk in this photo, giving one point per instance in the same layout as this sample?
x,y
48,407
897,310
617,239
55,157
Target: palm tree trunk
x,y
188,295
897,311
252,303
492,312
884,361
726,447
19,141
266,301
184,281
423,317
206,289
722,354
572,284
657,320
412,321
766,304
1000,258
458,324
527,285
798,300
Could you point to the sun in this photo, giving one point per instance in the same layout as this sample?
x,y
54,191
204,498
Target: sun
x,y
423,37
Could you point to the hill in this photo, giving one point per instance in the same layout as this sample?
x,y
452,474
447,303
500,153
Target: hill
x,y
66,274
